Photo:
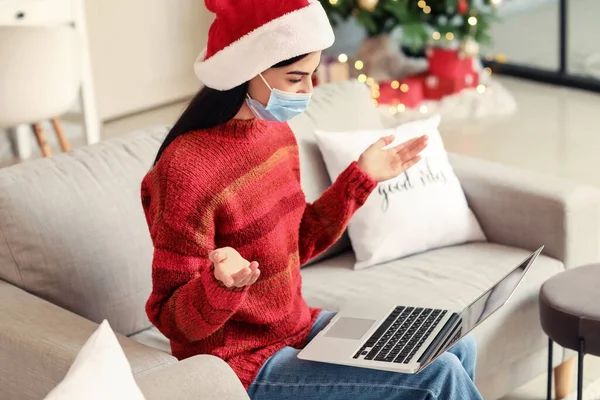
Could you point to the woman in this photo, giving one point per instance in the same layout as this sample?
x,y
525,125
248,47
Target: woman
x,y
231,227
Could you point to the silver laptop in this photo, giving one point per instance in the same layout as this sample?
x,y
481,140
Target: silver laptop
x,y
405,339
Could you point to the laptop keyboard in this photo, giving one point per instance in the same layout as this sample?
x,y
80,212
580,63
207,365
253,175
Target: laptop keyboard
x,y
401,334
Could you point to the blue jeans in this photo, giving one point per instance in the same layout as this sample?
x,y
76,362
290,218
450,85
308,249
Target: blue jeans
x,y
285,376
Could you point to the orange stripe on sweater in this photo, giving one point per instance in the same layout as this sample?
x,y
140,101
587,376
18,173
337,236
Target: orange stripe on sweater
x,y
256,173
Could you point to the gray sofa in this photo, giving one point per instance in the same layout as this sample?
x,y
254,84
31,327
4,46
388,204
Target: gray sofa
x,y
74,250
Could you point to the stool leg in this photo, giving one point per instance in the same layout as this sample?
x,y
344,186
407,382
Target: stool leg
x,y
60,133
580,369
563,378
41,138
549,389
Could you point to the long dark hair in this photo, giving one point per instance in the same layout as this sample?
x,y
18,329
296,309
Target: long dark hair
x,y
210,108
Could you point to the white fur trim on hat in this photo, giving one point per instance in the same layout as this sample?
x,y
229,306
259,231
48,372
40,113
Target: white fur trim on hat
x,y
300,32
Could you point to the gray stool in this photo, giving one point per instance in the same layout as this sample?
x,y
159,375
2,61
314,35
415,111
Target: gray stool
x,y
570,315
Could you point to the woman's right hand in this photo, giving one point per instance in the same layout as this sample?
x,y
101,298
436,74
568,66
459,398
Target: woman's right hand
x,y
232,269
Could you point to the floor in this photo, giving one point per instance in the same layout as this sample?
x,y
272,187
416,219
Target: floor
x,y
553,132
536,389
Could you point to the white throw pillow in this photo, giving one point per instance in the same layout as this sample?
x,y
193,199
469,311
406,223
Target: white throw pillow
x,y
423,209
100,371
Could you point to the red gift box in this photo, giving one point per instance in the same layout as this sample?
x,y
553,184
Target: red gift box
x,y
436,88
408,92
448,63
448,73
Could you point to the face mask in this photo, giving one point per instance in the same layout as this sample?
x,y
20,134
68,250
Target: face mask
x,y
282,106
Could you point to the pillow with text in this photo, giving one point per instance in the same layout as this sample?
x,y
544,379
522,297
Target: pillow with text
x,y
422,209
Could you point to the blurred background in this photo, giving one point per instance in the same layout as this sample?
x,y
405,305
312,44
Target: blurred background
x,y
127,65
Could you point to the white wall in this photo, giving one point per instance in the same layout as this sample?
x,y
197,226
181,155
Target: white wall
x,y
143,51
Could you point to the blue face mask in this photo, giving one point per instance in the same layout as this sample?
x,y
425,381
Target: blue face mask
x,y
282,106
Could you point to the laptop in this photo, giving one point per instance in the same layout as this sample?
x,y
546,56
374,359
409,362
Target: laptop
x,y
406,339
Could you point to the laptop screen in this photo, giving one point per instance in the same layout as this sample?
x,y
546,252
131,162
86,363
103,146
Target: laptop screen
x,y
488,303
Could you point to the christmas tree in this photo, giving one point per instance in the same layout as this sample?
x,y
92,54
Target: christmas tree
x,y
421,21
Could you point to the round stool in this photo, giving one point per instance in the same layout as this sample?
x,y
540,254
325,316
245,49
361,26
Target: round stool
x,y
570,315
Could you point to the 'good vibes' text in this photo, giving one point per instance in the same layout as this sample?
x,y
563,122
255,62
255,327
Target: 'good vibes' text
x,y
421,175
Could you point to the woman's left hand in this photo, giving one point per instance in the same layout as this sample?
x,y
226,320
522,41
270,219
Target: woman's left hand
x,y
383,165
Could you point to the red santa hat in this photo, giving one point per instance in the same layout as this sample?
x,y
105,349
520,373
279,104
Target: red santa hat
x,y
248,37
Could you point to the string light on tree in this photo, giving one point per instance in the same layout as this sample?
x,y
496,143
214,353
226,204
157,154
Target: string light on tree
x,y
404,88
343,58
401,107
434,22
469,47
362,78
423,109
481,89
462,18
369,5
395,85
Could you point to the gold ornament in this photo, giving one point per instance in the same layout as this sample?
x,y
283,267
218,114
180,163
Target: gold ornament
x,y
469,47
369,5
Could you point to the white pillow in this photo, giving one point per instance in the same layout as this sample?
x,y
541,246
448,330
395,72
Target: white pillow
x,y
423,209
100,371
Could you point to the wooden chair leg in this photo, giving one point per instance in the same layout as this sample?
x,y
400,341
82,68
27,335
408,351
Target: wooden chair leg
x,y
41,139
60,133
563,378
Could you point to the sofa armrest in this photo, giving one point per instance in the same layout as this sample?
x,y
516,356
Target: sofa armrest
x,y
200,377
39,341
526,209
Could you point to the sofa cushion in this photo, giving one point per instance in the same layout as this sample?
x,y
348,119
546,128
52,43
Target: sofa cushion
x,y
153,338
336,106
72,229
450,277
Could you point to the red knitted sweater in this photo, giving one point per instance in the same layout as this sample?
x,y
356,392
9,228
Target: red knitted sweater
x,y
238,185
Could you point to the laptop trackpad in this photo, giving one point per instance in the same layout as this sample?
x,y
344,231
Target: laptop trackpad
x,y
349,328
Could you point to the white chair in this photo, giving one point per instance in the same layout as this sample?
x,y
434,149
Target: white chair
x,y
40,77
